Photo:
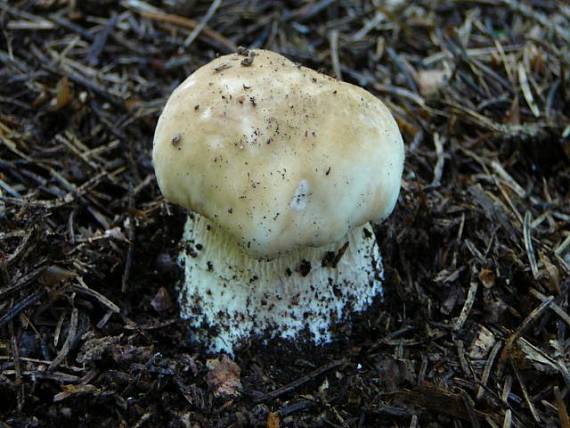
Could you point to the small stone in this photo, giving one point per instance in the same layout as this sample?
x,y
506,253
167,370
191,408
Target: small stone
x,y
161,301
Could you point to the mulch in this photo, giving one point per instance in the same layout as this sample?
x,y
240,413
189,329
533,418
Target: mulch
x,y
474,326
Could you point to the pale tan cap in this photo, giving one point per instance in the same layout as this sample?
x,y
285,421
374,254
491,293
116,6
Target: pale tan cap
x,y
276,154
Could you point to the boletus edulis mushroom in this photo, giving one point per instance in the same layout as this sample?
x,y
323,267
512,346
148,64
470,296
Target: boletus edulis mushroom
x,y
282,170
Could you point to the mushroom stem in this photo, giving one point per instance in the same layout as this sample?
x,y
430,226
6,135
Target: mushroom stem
x,y
308,289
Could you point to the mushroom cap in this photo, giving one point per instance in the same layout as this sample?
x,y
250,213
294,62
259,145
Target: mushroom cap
x,y
276,154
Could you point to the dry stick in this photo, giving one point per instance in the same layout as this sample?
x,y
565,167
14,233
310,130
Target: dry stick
x,y
487,369
528,245
507,389
65,141
69,197
68,341
190,24
527,93
414,421
560,251
101,40
20,249
21,283
103,321
461,354
78,78
491,422
4,276
398,91
565,245
469,301
131,237
470,407
526,11
438,169
84,289
423,370
470,53
3,185
525,393
17,365
555,308
58,328
562,411
211,10
37,22
333,39
498,168
297,383
508,419
41,375
532,317
8,142
20,306
403,68
41,362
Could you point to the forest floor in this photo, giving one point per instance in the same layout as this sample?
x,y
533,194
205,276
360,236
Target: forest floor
x,y
474,329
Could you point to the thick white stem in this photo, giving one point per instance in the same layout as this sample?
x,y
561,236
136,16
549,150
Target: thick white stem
x,y
228,296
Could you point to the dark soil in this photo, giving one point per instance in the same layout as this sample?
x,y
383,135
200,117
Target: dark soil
x,y
474,328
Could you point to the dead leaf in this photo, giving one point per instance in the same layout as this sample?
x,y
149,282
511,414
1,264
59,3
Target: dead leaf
x,y
272,420
513,115
71,390
487,278
223,376
482,343
431,81
406,127
63,95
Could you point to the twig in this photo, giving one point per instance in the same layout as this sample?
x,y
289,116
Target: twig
x,y
438,169
297,383
100,41
508,419
528,245
555,308
527,93
131,236
487,369
20,306
525,393
469,301
333,40
527,322
562,411
198,29
188,23
21,283
526,11
71,333
83,289
17,365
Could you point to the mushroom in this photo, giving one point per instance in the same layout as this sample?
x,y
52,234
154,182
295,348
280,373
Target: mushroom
x,y
282,169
